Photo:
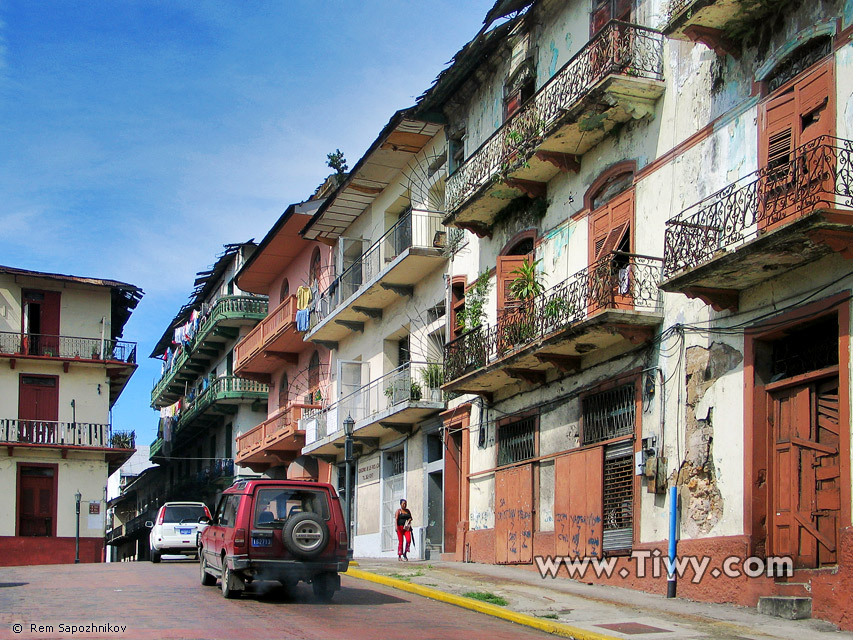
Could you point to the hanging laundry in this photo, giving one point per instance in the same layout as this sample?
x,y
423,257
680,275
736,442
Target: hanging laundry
x,y
303,320
303,298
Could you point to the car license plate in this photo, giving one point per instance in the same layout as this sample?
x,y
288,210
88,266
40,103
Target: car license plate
x,y
261,542
185,532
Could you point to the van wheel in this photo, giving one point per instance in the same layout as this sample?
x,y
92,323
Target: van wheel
x,y
228,579
207,580
324,585
155,556
305,535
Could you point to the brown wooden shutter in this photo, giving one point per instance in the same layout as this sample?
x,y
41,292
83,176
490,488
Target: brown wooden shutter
x,y
506,265
610,225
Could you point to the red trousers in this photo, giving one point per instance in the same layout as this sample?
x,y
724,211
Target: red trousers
x,y
402,532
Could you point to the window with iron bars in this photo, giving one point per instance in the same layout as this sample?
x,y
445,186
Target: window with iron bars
x,y
397,460
618,497
608,414
517,440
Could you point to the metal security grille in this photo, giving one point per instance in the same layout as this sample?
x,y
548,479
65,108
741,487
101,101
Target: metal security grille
x,y
807,349
608,414
396,460
516,441
618,502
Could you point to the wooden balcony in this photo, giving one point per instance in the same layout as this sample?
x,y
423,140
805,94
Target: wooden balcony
x,y
616,77
764,225
278,440
597,314
390,404
273,342
216,328
119,357
387,271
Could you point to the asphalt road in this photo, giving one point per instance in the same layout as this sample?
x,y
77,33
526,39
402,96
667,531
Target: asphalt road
x,y
166,601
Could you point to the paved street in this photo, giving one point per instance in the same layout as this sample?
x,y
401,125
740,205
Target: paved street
x,y
166,601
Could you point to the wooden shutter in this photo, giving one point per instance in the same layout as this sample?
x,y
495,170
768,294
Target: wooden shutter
x,y
610,225
506,265
578,502
514,515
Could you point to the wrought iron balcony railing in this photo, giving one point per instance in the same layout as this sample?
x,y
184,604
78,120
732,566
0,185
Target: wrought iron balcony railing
x,y
818,174
223,388
619,48
416,229
224,308
414,382
216,469
82,434
33,344
618,281
675,8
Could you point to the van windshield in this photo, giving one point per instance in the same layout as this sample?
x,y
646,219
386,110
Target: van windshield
x,y
273,506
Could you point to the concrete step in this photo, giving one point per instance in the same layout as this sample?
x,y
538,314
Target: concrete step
x,y
787,607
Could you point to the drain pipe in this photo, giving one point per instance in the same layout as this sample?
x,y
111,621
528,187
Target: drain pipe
x,y
673,521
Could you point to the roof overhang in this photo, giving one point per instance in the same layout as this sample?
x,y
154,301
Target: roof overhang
x,y
401,139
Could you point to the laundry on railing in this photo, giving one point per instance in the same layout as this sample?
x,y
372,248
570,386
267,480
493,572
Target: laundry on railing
x,y
303,319
303,298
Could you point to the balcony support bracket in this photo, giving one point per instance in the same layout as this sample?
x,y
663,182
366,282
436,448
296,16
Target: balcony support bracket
x,y
400,289
527,375
714,39
325,457
357,449
66,366
566,364
370,312
838,240
719,299
329,344
285,356
12,363
352,325
478,229
633,333
565,162
405,429
528,187
366,441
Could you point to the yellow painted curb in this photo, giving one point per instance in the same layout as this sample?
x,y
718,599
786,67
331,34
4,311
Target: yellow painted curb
x,y
483,607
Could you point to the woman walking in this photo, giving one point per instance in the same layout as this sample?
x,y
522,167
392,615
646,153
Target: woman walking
x,y
404,530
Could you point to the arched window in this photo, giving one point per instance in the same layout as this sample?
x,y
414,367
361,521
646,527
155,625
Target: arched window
x,y
283,390
314,269
314,372
284,291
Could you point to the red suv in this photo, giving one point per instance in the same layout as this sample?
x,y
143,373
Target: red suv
x,y
283,530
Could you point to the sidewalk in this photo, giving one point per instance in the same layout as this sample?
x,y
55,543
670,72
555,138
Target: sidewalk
x,y
586,612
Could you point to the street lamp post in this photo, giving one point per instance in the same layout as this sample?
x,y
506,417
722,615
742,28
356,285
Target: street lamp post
x,y
77,497
349,424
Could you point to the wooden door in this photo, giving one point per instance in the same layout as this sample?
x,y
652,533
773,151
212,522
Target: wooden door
x,y
36,501
794,175
453,475
40,322
609,275
578,502
805,493
38,408
514,515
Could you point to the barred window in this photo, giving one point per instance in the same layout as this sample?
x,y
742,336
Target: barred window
x,y
608,414
618,497
397,460
517,440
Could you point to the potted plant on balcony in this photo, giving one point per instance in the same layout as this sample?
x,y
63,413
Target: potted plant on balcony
x,y
432,377
518,325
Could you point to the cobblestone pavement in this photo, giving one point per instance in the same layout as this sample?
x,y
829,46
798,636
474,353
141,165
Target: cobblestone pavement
x,y
166,601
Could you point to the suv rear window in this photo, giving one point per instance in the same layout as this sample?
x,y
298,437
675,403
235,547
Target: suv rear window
x,y
274,505
183,513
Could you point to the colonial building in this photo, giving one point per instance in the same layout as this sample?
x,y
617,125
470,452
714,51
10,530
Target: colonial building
x,y
204,407
274,353
382,317
655,291
63,368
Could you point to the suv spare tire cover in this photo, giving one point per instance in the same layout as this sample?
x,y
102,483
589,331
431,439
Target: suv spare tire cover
x,y
305,535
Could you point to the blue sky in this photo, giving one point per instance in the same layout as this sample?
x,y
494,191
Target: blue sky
x,y
136,138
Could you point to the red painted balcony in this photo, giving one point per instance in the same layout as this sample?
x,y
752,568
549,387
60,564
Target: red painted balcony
x,y
275,441
272,343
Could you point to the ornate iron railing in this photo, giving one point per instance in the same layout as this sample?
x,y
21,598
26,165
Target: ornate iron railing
x,y
81,434
413,382
416,228
818,174
224,307
34,344
618,281
675,8
619,48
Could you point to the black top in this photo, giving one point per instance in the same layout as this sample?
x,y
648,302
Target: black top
x,y
403,516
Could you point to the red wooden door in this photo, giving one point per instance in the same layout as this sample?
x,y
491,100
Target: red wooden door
x,y
38,408
41,322
578,502
452,488
36,502
514,515
609,276
805,495
800,114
